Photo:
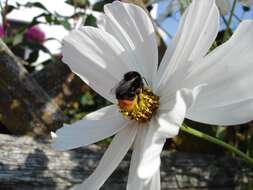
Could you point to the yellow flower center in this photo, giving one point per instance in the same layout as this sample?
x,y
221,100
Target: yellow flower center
x,y
142,107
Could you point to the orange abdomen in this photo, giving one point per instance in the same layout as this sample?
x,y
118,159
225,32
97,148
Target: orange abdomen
x,y
127,105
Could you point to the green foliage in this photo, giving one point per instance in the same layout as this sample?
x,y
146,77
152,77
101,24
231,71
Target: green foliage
x,y
90,21
79,3
99,6
86,103
249,186
18,38
33,4
87,99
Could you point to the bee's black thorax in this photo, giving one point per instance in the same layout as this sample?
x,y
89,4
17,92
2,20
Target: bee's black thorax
x,y
135,101
129,86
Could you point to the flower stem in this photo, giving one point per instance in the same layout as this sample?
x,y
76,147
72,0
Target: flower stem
x,y
232,13
228,24
214,140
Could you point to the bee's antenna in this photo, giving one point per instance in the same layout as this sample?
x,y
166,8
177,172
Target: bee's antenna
x,y
145,81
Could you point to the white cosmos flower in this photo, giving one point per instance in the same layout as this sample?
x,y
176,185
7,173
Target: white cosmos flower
x,y
214,88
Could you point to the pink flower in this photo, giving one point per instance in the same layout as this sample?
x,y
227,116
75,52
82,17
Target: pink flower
x,y
1,31
35,34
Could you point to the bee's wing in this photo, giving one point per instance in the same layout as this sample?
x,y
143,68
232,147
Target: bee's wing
x,y
114,89
122,89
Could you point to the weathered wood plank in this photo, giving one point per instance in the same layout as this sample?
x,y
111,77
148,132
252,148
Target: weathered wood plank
x,y
24,105
28,164
60,83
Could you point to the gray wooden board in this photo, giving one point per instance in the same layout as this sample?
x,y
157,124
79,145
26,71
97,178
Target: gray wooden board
x,y
25,106
28,164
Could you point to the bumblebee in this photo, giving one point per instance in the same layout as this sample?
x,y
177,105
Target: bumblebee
x,y
127,89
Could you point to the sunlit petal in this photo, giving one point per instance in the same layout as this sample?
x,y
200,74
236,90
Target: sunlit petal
x,y
97,58
227,71
155,182
197,31
134,30
134,181
111,159
94,127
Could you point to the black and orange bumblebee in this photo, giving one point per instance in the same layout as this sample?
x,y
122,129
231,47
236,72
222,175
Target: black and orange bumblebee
x,y
127,89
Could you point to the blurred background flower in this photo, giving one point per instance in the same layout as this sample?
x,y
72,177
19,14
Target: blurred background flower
x,y
1,31
35,34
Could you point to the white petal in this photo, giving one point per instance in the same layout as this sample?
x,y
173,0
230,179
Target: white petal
x,y
134,30
151,184
182,100
171,114
232,114
151,148
97,58
198,29
146,155
111,159
134,181
170,118
228,72
155,183
94,127
150,139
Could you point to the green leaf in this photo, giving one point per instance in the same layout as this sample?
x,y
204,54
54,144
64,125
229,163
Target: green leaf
x,y
90,21
79,3
10,8
65,23
48,18
77,15
34,4
99,6
87,99
17,39
220,132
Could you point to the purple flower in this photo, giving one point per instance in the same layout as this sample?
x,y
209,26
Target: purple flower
x,y
1,31
35,34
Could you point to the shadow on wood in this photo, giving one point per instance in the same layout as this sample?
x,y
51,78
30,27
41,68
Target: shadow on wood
x,y
26,164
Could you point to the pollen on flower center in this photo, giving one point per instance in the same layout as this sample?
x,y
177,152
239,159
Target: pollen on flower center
x,y
142,107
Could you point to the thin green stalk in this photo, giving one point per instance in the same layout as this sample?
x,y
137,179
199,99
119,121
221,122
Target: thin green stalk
x,y
232,13
225,37
214,140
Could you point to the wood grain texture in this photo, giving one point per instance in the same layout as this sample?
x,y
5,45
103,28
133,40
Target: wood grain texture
x,y
28,164
25,106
